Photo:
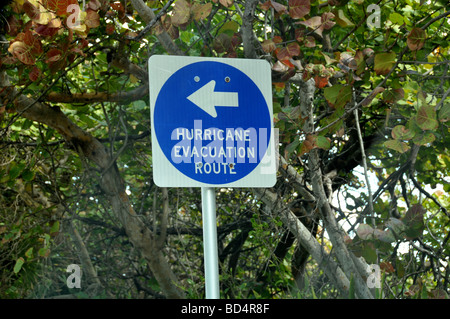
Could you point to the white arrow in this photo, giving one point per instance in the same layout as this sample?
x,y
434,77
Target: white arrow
x,y
206,99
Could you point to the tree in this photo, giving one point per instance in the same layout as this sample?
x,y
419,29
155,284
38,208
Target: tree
x,y
361,102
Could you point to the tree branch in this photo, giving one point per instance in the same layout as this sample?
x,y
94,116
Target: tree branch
x,y
307,240
134,95
148,16
247,29
333,229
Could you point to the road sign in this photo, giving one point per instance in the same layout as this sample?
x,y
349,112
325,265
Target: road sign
x,y
212,122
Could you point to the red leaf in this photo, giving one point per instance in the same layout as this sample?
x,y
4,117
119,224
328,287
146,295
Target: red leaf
x,y
314,23
387,267
266,5
384,62
60,6
291,50
201,11
321,82
33,42
117,5
181,13
53,55
326,20
299,8
268,45
14,26
31,11
416,39
45,30
110,28
226,3
34,74
279,8
277,39
22,52
94,5
92,19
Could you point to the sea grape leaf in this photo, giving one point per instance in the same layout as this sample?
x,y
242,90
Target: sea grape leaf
x,y
397,145
426,118
444,113
414,221
400,132
384,62
299,8
268,45
365,231
342,20
416,39
92,19
181,12
424,138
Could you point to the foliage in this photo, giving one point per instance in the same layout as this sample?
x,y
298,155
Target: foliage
x,y
86,67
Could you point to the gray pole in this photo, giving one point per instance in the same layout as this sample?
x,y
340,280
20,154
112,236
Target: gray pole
x,y
210,243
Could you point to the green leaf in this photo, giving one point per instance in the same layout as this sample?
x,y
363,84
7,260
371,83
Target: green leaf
x,y
18,265
323,142
342,20
345,96
400,132
229,27
332,92
397,145
15,170
385,236
28,175
396,18
424,138
426,118
369,253
44,252
291,147
29,253
444,113
384,62
55,227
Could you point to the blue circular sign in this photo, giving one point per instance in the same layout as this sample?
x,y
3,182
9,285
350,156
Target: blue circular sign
x,y
212,122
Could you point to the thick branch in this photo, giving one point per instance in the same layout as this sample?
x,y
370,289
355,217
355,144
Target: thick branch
x,y
136,94
333,229
247,29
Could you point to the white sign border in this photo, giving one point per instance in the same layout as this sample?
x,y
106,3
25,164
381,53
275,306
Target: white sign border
x,y
161,68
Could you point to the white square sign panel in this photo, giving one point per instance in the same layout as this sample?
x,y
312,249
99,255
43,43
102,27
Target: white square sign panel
x,y
211,122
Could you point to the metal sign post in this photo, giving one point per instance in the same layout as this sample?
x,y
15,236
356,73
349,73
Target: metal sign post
x,y
211,258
